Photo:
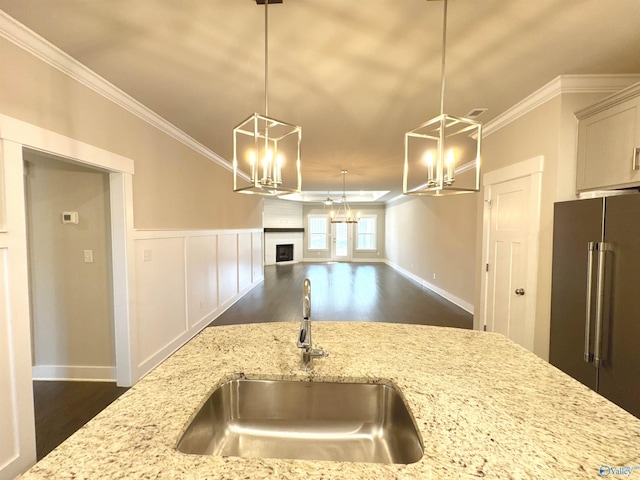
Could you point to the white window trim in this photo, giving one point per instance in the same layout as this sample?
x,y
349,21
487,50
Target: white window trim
x,y
326,233
375,234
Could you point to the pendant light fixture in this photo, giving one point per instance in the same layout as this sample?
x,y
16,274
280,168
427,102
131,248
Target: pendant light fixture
x,y
344,214
266,151
442,156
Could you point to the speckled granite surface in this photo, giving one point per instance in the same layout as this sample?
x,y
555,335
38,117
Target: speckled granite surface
x,y
485,408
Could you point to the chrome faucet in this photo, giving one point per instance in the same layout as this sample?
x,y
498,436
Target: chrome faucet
x,y
304,335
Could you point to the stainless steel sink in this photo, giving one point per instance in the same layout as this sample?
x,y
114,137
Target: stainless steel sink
x,y
351,422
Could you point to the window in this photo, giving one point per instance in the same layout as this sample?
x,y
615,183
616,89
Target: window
x,y
367,232
318,232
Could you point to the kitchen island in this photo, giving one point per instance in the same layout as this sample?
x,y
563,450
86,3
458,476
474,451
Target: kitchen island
x,y
484,407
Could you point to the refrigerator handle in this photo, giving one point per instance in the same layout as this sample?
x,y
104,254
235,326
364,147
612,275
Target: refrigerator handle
x,y
588,356
602,248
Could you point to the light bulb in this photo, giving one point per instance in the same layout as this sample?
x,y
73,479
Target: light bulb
x,y
277,169
252,161
450,165
266,164
428,158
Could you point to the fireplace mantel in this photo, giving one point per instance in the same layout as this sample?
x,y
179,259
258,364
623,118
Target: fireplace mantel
x,y
283,230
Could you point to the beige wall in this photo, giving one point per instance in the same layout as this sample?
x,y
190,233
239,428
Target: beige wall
x,y
173,187
435,235
70,299
533,134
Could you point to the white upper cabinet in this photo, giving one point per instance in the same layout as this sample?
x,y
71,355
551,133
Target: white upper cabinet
x,y
609,142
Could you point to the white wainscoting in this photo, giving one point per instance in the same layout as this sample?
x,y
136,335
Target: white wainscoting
x,y
257,256
186,279
9,447
202,277
228,267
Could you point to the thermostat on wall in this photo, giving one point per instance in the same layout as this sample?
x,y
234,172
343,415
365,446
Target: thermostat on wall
x,y
69,217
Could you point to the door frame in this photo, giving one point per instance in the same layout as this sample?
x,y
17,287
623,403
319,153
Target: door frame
x,y
533,169
22,135
15,136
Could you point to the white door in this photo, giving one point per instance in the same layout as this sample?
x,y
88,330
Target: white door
x,y
511,227
508,259
341,242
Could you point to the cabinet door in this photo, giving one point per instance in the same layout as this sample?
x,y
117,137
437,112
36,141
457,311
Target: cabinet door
x,y
606,144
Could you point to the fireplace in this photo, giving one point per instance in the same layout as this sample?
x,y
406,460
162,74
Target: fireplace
x,y
284,253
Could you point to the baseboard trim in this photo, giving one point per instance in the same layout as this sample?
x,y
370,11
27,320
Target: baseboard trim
x,y
466,306
74,373
353,260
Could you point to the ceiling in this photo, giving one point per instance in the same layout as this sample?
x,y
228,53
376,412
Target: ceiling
x,y
355,74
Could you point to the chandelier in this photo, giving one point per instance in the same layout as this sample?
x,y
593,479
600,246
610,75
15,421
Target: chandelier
x,y
266,151
344,214
442,156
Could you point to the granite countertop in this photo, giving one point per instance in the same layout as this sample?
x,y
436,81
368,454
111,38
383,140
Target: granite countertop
x,y
485,407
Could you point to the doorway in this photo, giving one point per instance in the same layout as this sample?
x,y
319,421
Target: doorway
x,y
70,275
341,244
18,451
511,222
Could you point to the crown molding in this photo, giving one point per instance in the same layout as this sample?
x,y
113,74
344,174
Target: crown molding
x,y
617,98
562,84
21,36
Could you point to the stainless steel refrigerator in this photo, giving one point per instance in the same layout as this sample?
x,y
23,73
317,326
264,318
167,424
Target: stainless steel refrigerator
x,y
595,295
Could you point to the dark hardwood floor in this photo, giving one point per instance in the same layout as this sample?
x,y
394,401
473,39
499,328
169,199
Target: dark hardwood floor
x,y
61,408
339,292
360,292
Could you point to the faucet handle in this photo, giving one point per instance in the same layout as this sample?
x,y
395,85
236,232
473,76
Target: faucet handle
x,y
303,337
319,352
306,299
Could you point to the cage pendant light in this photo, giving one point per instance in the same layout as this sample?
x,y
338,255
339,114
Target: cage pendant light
x,y
442,156
266,151
344,214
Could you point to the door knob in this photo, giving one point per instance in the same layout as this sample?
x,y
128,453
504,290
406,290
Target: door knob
x,y
519,291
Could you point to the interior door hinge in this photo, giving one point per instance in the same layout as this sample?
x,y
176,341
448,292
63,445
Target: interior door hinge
x,y
484,328
486,269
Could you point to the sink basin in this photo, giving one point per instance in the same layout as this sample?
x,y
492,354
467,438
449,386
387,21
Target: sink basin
x,y
350,422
